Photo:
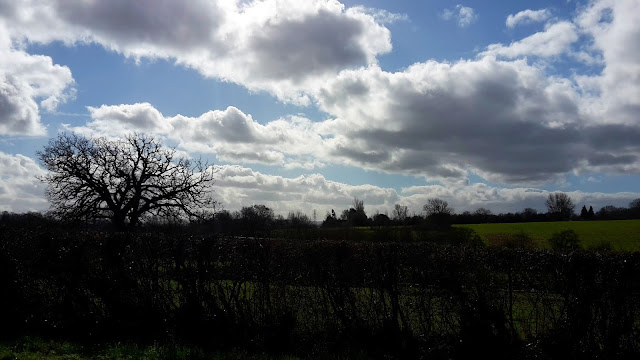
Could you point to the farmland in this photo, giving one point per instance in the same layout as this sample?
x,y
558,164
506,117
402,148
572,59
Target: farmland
x,y
622,235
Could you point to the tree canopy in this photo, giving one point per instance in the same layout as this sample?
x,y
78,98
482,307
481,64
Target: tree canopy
x,y
123,180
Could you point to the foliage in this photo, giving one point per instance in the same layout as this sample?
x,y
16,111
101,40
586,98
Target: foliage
x,y
565,240
122,180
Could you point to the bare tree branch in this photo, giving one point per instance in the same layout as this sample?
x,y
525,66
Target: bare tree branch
x,y
123,180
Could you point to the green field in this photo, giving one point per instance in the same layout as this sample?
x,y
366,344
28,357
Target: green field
x,y
623,235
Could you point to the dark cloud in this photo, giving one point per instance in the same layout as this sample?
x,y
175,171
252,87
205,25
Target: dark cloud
x,y
503,120
312,45
175,24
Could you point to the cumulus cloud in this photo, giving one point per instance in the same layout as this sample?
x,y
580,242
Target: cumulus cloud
x,y
27,84
556,39
614,31
230,134
239,186
280,46
504,120
20,191
527,16
504,200
463,15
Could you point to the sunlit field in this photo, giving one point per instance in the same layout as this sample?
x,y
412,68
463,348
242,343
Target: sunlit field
x,y
622,235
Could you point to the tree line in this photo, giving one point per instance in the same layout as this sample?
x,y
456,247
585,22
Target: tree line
x,y
134,180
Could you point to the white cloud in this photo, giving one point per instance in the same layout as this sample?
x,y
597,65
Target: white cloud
x,y
20,191
230,134
614,29
556,39
24,80
240,186
382,16
527,16
463,15
281,46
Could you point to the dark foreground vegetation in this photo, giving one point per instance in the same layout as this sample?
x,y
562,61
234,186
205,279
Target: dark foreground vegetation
x,y
375,299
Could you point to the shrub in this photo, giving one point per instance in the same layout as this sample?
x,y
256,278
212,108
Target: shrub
x,y
464,236
565,240
521,240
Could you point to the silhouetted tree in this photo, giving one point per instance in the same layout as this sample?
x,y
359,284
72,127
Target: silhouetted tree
x,y
584,213
122,180
529,214
437,206
634,208
610,212
483,214
438,212
256,218
355,216
400,213
560,206
381,220
591,213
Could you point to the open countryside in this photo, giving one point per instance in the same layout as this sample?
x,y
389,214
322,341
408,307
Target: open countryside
x,y
319,179
622,235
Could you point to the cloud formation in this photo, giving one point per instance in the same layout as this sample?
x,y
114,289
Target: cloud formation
x,y
230,134
20,191
255,44
498,116
27,84
463,15
527,16
556,39
237,186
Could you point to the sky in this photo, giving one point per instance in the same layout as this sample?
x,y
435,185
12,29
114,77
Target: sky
x,y
306,105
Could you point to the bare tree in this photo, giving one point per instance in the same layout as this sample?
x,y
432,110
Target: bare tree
x,y
437,206
123,180
438,212
400,212
483,214
560,206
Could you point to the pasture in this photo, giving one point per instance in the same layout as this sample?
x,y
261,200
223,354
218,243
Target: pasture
x,y
622,235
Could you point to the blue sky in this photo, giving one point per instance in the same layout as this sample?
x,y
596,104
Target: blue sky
x,y
306,105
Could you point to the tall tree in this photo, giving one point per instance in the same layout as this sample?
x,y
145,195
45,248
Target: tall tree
x,y
584,213
435,206
400,213
560,206
123,180
438,212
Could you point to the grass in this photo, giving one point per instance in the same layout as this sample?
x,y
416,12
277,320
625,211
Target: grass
x,y
623,235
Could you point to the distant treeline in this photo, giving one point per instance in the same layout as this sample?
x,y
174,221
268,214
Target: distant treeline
x,y
371,299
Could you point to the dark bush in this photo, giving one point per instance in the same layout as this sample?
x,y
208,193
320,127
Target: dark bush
x,y
565,240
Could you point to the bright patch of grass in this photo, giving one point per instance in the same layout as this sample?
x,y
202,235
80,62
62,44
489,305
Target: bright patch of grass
x,y
623,235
